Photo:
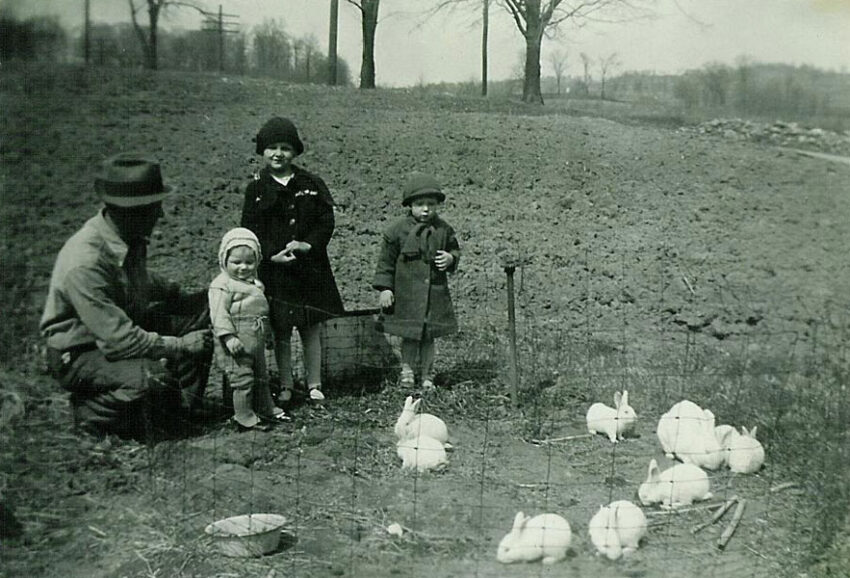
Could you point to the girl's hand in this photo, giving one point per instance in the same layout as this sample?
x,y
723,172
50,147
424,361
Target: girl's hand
x,y
443,260
234,346
386,299
283,257
297,247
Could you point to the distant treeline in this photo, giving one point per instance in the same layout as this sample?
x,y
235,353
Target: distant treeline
x,y
750,90
265,50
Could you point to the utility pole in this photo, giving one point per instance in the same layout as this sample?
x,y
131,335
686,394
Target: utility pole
x,y
332,43
485,17
216,23
87,32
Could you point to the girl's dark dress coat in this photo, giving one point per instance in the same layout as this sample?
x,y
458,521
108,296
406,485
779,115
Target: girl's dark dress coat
x,y
303,292
423,306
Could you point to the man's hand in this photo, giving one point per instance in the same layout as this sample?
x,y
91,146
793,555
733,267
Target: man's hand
x,y
443,260
234,346
196,342
386,299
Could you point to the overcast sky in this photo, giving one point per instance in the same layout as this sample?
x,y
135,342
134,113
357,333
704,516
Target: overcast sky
x,y
682,34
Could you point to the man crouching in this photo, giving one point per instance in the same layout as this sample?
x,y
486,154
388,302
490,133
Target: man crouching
x,y
133,351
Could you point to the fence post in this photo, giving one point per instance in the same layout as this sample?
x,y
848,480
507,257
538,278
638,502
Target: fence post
x,y
509,270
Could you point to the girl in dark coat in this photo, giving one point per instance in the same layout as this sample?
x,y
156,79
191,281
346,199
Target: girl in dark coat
x,y
291,212
418,251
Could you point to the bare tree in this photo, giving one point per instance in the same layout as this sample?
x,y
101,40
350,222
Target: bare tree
x,y
369,19
272,50
558,60
606,65
484,5
148,38
535,18
333,34
585,63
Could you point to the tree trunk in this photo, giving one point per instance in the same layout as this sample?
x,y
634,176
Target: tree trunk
x,y
370,23
332,42
153,17
533,39
484,33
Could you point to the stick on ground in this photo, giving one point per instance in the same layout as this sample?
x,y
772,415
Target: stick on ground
x,y
733,525
783,486
717,515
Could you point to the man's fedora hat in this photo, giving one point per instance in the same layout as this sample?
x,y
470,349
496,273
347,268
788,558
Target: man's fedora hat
x,y
130,180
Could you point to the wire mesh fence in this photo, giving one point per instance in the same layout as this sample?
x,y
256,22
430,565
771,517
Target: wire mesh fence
x,y
335,471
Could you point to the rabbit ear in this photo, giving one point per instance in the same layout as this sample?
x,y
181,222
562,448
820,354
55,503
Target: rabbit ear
x,y
753,431
408,402
415,405
652,474
625,398
519,521
724,438
618,399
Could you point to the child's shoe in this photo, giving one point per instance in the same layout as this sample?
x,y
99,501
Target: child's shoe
x,y
428,386
259,426
278,416
316,394
406,378
285,395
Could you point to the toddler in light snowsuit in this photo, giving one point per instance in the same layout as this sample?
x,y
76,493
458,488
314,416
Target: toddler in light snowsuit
x,y
239,312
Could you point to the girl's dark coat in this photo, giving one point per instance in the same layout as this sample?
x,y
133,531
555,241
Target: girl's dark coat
x,y
303,292
423,306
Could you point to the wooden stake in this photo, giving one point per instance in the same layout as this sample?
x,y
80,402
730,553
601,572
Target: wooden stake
x,y
733,525
717,515
514,368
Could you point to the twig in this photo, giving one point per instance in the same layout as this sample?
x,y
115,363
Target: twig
x,y
756,552
561,439
733,525
688,283
783,486
684,510
717,515
97,531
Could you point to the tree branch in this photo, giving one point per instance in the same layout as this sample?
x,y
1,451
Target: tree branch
x,y
515,9
356,4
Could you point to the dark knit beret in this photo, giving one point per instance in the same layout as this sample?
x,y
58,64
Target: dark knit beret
x,y
278,129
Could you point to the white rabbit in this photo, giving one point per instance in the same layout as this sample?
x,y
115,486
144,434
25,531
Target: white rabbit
x,y
746,454
612,421
724,435
680,485
410,424
616,529
421,453
545,536
686,431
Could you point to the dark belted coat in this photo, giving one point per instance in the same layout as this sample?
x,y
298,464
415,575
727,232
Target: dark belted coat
x,y
423,306
303,292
